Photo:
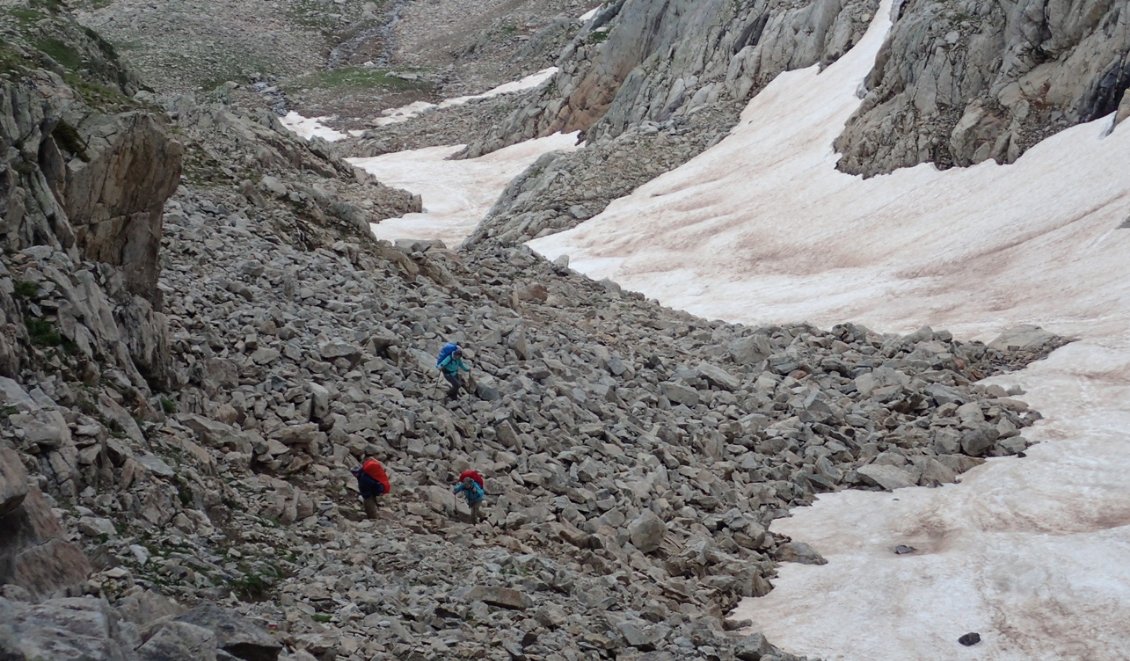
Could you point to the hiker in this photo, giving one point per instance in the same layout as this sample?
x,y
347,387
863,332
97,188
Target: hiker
x,y
471,485
450,362
372,481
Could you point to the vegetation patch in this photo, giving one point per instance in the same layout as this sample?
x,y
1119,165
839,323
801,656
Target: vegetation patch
x,y
360,78
42,333
67,137
597,37
24,15
26,289
61,52
256,585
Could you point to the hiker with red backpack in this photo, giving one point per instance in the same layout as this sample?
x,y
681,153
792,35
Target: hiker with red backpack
x,y
372,482
472,486
450,363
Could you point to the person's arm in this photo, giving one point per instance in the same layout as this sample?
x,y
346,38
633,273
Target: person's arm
x,y
443,363
463,366
457,489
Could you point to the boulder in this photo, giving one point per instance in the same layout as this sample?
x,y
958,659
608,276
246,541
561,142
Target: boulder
x,y
72,628
1024,338
499,596
179,640
647,531
13,481
887,476
234,633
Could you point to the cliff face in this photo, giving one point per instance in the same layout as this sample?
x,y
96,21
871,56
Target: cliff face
x,y
961,82
652,84
642,60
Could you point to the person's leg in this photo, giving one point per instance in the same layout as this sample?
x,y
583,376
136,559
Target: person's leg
x,y
370,506
475,516
452,379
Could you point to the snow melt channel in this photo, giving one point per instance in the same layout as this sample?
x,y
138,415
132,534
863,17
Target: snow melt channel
x,y
1033,553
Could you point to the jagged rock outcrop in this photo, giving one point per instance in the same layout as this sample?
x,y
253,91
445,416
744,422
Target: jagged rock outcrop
x,y
960,82
114,188
651,85
639,60
34,555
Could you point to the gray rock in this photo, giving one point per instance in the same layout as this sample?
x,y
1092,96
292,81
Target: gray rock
x,y
74,628
234,633
799,552
13,481
1024,338
888,477
647,531
679,394
718,376
179,640
155,464
499,596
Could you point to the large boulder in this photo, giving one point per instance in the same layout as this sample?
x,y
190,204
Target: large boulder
x,y
33,551
114,192
646,531
235,634
962,81
73,628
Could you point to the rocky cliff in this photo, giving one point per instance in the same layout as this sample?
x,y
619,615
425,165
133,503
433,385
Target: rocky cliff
x,y
961,82
650,85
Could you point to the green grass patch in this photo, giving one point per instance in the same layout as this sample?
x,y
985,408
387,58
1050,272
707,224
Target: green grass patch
x,y
53,6
67,137
360,78
26,289
25,16
322,617
61,52
42,333
98,95
256,585
168,405
597,37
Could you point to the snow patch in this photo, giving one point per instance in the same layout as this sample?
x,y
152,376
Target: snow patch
x,y
311,127
456,194
404,113
584,18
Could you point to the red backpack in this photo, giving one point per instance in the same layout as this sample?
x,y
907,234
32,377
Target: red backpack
x,y
474,475
375,470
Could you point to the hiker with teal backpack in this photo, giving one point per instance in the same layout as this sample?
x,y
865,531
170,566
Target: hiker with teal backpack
x,y
450,363
472,486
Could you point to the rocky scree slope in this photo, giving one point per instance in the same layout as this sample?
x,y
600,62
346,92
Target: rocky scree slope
x,y
196,441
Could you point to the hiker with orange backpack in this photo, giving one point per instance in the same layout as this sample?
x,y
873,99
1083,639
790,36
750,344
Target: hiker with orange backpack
x,y
472,487
372,482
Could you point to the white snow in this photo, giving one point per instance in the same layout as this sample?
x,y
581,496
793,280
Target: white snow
x,y
310,127
1033,553
404,113
456,194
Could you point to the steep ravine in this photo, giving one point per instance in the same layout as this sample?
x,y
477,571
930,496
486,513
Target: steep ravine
x,y
190,365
